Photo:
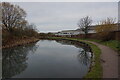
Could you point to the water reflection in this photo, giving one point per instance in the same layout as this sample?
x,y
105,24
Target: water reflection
x,y
47,62
84,52
84,57
75,43
14,59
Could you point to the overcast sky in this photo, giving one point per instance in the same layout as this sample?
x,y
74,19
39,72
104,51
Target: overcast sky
x,y
57,16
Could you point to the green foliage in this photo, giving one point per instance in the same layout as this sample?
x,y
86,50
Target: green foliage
x,y
114,44
96,71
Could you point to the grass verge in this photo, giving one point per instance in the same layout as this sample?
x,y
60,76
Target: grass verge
x,y
114,44
96,71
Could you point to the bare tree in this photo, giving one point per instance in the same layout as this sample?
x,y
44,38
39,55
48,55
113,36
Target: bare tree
x,y
84,24
12,16
105,27
14,25
31,30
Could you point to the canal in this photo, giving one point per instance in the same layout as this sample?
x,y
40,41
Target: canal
x,y
46,59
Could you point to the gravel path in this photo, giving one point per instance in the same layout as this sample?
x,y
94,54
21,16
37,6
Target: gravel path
x,y
109,59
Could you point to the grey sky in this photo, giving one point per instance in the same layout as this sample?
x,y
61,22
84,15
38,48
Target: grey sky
x,y
57,16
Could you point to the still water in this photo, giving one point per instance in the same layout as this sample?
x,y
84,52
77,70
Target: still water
x,y
46,59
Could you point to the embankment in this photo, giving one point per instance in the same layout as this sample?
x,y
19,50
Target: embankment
x,y
19,42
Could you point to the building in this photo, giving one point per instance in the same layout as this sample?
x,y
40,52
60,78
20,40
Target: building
x,y
68,33
74,32
91,29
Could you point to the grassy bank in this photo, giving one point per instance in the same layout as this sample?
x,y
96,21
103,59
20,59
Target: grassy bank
x,y
19,42
96,70
114,44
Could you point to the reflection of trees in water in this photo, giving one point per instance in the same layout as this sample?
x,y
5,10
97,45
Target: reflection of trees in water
x,y
76,44
84,52
84,57
14,59
66,42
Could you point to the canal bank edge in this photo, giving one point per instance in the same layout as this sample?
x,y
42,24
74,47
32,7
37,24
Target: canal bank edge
x,y
96,71
20,42
96,68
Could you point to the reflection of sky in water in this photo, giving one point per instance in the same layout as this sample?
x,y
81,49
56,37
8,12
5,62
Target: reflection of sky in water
x,y
48,59
0,63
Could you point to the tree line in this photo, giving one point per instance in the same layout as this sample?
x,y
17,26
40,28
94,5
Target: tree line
x,y
14,23
103,28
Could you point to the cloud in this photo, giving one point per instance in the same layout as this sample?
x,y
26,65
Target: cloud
x,y
56,16
60,0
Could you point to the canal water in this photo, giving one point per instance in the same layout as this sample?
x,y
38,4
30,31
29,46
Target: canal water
x,y
46,59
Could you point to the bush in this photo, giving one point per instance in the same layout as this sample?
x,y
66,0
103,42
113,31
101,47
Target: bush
x,y
104,29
